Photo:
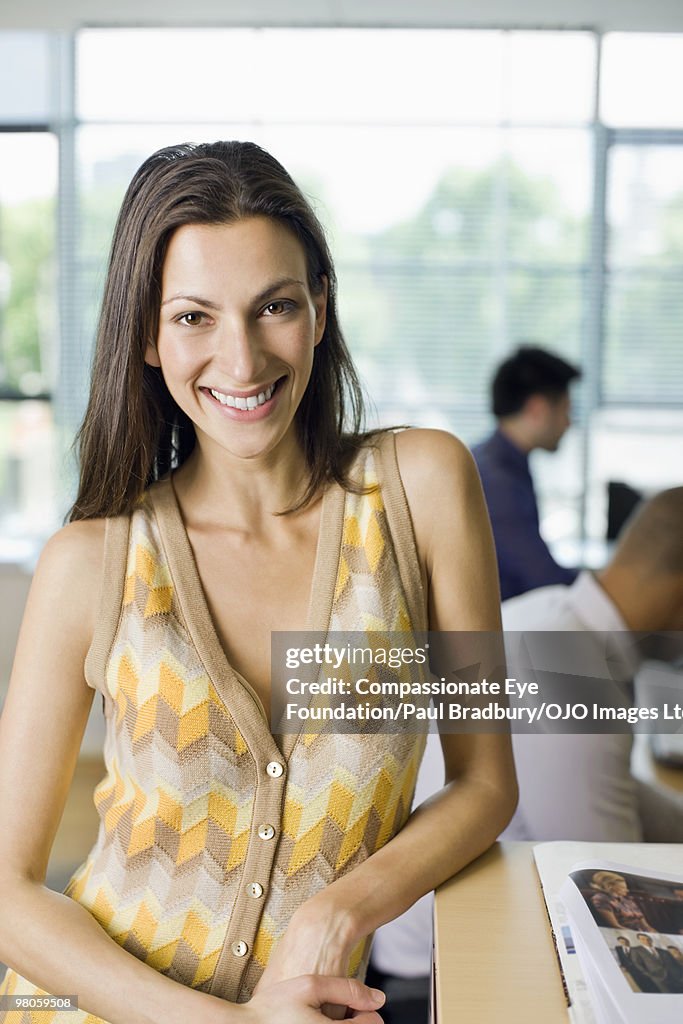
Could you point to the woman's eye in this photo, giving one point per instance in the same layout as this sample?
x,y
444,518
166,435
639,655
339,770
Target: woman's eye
x,y
192,319
278,307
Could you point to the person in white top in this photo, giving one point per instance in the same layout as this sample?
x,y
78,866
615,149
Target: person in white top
x,y
580,786
572,786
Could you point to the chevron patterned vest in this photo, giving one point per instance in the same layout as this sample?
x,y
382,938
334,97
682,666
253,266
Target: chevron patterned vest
x,y
211,834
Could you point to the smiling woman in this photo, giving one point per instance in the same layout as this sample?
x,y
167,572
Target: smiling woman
x,y
228,491
237,331
133,431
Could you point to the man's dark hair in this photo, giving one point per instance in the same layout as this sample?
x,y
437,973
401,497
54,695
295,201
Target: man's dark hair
x,y
529,371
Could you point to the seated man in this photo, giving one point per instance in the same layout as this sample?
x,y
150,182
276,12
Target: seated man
x,y
580,786
572,786
530,399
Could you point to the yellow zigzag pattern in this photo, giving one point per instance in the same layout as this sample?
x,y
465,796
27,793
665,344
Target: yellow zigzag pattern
x,y
363,553
221,805
190,698
144,565
348,804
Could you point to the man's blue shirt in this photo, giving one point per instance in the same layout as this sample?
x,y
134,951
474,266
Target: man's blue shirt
x,y
524,561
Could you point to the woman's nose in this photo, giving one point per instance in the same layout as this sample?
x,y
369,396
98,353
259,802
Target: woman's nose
x,y
239,352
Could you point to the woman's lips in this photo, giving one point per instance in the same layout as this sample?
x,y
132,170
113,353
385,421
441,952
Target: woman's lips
x,y
247,405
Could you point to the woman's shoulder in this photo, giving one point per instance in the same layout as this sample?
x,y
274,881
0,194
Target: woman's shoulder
x,y
444,497
432,471
433,462
76,544
429,446
418,448
68,577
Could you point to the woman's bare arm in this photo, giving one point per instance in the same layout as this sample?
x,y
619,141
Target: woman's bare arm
x,y
46,936
457,824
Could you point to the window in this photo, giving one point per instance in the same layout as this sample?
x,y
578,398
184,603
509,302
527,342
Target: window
x,y
643,361
636,432
29,342
456,193
460,176
642,80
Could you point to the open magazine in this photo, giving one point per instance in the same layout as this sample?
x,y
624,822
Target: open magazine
x,y
618,929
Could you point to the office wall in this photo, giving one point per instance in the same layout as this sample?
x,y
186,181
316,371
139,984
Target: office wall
x,y
628,15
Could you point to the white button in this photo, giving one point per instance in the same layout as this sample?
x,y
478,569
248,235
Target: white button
x,y
240,948
266,831
274,769
255,890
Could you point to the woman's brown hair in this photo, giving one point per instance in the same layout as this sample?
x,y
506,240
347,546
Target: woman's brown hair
x,y
133,433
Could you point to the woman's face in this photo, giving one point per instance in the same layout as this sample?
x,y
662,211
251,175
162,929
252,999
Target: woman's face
x,y
615,886
238,325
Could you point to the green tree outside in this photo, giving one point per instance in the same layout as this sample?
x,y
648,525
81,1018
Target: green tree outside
x,y
28,318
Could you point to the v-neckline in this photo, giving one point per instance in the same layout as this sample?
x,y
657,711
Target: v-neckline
x,y
229,684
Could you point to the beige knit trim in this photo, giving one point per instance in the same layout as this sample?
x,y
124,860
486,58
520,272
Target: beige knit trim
x,y
401,529
115,561
327,557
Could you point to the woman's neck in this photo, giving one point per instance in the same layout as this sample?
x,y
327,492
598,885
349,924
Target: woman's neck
x,y
213,486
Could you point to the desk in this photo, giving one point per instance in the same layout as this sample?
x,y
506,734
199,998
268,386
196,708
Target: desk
x,y
494,955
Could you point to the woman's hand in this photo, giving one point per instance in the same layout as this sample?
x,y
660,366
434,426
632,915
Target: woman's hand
x,y
303,1000
318,941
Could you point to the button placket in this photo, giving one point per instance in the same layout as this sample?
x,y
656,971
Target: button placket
x,y
256,870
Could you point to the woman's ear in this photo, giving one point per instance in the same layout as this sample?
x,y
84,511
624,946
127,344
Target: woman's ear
x,y
320,303
151,355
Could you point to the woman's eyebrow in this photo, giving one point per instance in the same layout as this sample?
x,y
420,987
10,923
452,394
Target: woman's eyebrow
x,y
192,298
282,282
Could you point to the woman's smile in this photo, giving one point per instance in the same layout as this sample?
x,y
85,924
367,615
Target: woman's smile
x,y
245,406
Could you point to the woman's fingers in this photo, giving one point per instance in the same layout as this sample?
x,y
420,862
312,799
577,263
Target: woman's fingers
x,y
350,992
296,998
316,992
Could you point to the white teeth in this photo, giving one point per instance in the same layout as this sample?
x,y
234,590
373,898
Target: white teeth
x,y
244,403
